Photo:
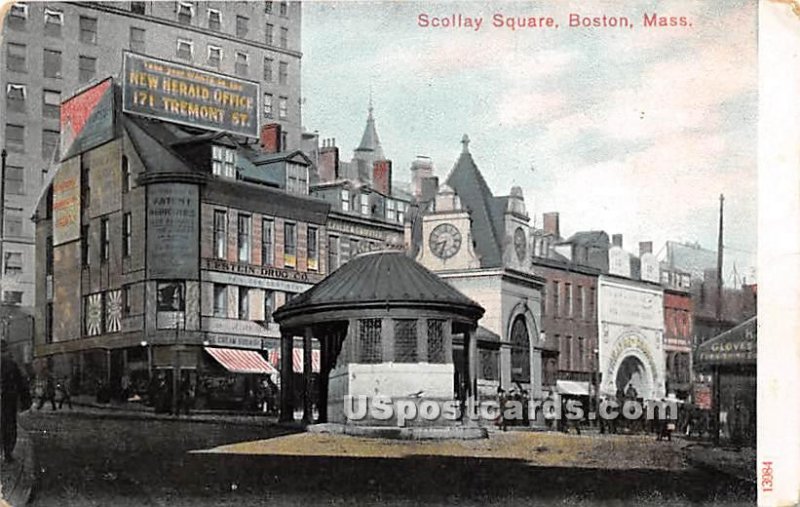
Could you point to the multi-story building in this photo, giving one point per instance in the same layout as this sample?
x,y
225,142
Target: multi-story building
x,y
480,244
51,50
162,246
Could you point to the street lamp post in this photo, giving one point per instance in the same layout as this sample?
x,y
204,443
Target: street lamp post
x,y
3,155
176,365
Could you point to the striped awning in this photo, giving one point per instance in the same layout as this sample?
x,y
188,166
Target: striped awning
x,y
297,359
241,361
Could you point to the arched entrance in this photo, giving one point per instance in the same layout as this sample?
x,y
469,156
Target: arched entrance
x,y
520,351
633,374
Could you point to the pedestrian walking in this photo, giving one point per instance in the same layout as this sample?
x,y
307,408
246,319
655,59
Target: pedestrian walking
x,y
49,393
14,396
502,400
62,392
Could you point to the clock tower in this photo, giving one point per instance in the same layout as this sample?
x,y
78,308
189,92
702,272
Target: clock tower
x,y
446,235
517,237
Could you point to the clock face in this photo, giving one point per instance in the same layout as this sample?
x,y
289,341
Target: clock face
x,y
520,245
445,241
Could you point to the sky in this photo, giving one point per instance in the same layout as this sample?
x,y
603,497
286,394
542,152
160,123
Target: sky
x,y
630,130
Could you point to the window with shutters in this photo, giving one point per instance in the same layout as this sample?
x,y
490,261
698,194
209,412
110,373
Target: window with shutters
x,y
435,339
405,341
370,345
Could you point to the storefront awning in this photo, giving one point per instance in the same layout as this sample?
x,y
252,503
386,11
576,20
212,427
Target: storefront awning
x,y
572,387
241,361
297,359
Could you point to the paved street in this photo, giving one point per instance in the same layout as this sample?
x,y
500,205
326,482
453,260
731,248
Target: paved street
x,y
85,460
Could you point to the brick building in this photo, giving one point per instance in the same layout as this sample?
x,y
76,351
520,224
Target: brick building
x,y
52,49
183,243
678,341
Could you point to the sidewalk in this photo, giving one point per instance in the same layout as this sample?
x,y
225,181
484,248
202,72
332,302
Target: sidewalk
x,y
86,406
740,464
16,479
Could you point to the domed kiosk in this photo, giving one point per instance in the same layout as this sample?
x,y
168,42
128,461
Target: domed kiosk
x,y
385,326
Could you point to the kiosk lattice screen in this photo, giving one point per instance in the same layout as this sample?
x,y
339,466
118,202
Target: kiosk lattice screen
x,y
369,340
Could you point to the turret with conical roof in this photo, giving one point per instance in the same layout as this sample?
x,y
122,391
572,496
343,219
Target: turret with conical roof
x,y
370,149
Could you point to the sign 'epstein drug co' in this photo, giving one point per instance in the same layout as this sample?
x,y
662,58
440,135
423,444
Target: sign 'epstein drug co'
x,y
180,94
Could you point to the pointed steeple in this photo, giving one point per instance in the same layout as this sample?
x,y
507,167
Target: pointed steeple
x,y
370,147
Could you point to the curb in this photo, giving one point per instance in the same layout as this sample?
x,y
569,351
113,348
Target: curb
x,y
20,488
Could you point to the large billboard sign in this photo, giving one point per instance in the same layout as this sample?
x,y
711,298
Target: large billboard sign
x,y
87,119
180,94
67,202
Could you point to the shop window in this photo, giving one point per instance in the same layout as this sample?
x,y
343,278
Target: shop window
x,y
51,103
369,341
16,55
435,338
244,303
170,297
220,234
214,20
405,341
220,300
267,242
290,245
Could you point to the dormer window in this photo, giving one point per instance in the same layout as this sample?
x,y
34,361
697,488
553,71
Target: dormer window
x,y
401,211
296,179
345,197
391,210
365,204
223,161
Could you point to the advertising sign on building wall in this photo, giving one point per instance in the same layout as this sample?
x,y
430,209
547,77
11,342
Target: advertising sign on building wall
x,y
180,94
67,202
172,231
87,119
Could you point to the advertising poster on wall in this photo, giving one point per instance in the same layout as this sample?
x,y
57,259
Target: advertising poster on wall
x,y
87,119
189,96
67,202
172,231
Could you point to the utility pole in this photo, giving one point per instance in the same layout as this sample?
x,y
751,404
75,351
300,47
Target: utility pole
x,y
4,155
719,265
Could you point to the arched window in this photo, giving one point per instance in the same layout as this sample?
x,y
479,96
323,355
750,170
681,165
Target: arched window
x,y
520,351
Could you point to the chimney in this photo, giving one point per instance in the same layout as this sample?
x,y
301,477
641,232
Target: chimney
x,y
430,186
270,138
421,168
328,161
616,240
551,225
645,247
382,176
